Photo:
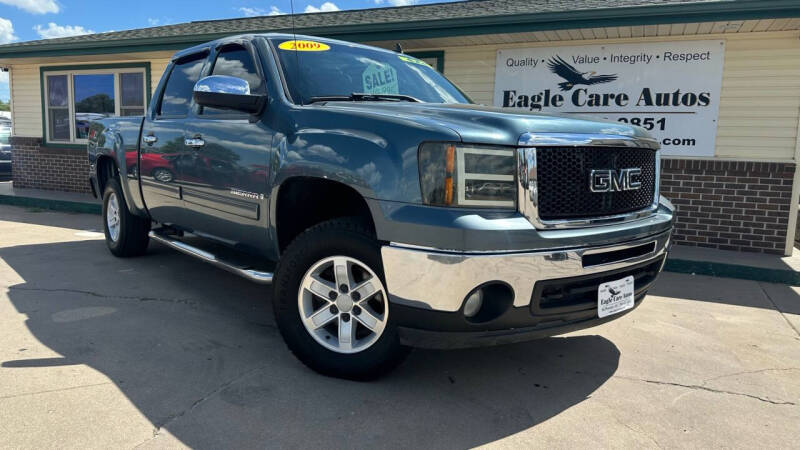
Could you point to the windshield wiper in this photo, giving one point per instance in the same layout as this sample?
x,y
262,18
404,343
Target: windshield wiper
x,y
362,96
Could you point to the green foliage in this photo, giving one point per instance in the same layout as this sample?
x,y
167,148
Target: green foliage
x,y
98,103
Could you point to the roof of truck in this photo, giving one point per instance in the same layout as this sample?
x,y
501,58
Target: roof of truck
x,y
289,36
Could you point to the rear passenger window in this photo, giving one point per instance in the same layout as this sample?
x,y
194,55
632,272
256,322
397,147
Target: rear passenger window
x,y
235,61
178,92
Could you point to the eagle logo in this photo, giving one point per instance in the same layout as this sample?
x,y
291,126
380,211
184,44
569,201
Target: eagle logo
x,y
573,76
613,291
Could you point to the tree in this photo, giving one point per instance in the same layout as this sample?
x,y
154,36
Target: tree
x,y
98,103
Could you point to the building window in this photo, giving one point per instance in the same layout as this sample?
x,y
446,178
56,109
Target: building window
x,y
73,98
57,107
132,94
434,58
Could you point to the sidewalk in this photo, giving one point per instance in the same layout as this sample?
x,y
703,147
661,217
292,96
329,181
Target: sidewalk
x,y
88,338
742,265
55,200
682,259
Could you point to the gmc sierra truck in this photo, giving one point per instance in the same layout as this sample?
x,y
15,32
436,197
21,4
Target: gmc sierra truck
x,y
386,209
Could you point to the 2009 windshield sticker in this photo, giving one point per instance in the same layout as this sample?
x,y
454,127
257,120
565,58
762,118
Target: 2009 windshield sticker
x,y
304,46
379,79
411,60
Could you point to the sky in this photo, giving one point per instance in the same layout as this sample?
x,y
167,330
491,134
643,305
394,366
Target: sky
x,y
26,20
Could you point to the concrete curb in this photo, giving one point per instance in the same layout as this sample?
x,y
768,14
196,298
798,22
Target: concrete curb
x,y
713,269
55,205
716,269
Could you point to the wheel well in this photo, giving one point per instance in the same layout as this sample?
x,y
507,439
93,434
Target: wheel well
x,y
106,170
304,202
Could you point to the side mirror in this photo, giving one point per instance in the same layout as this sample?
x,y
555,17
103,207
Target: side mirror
x,y
222,91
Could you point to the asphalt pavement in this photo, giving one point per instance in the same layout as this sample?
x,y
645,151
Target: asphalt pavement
x,y
163,351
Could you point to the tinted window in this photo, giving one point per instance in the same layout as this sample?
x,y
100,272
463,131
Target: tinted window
x,y
178,92
236,62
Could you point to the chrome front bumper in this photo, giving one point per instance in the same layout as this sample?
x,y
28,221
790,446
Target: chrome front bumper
x,y
440,281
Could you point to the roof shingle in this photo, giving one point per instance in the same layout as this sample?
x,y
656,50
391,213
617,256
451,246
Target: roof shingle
x,y
390,15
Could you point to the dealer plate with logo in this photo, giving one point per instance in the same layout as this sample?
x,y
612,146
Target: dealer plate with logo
x,y
614,297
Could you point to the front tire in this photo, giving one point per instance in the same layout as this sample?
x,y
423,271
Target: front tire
x,y
331,304
126,234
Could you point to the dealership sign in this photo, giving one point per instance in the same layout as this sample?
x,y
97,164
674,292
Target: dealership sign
x,y
669,88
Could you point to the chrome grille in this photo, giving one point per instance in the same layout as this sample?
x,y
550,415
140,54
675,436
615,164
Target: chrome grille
x,y
563,181
566,186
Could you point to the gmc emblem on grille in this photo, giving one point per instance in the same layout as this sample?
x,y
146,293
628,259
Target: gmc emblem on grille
x,y
612,180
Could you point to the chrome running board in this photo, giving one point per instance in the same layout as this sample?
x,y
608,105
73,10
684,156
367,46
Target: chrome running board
x,y
251,274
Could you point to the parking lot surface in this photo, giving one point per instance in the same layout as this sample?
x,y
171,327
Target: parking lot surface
x,y
165,351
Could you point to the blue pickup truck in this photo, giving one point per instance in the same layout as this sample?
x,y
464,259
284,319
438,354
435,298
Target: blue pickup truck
x,y
386,209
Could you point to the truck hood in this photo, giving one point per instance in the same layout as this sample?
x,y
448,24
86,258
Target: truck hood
x,y
488,125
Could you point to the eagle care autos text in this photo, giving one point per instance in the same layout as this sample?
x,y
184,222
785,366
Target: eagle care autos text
x,y
670,89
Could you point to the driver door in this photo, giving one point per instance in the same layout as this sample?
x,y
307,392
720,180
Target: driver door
x,y
225,176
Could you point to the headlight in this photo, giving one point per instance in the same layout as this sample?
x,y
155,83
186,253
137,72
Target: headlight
x,y
468,176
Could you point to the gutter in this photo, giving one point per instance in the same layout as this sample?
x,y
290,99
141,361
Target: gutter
x,y
712,11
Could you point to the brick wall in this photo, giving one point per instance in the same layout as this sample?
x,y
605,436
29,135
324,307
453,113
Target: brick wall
x,y
730,205
56,169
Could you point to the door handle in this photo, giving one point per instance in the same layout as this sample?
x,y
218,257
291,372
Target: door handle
x,y
150,139
194,142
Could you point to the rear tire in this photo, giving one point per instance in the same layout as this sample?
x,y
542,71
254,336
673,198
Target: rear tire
x,y
348,333
126,234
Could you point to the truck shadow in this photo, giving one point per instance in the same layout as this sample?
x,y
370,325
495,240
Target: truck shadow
x,y
734,292
197,352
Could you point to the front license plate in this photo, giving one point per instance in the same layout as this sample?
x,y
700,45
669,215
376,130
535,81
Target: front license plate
x,y
615,296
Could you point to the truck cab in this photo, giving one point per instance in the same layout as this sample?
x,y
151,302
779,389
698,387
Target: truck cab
x,y
385,208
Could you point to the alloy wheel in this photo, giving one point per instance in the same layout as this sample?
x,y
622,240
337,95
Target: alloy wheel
x,y
343,304
112,217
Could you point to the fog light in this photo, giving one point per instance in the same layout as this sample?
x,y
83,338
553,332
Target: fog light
x,y
473,303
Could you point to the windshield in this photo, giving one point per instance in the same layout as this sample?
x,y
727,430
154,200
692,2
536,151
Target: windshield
x,y
329,69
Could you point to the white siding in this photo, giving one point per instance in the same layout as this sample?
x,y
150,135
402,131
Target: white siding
x,y
157,67
27,109
26,91
760,99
